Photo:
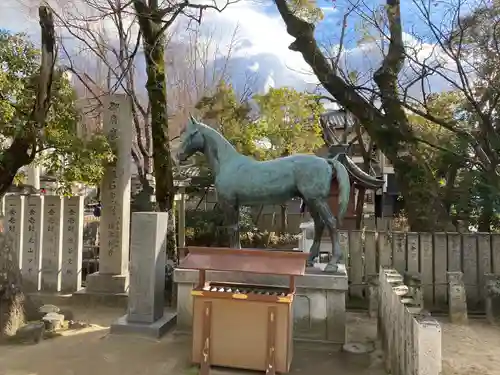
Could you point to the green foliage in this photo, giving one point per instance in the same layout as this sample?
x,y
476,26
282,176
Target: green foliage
x,y
65,155
464,188
306,10
289,120
205,228
229,116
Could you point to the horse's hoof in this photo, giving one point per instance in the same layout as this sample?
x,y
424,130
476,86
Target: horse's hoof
x,y
330,268
335,268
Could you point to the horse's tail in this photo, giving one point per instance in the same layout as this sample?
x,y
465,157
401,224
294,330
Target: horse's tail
x,y
344,186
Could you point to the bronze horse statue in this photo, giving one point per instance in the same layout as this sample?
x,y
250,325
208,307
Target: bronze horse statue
x,y
243,181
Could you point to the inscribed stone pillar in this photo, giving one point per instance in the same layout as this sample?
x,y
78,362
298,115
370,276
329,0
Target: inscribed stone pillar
x,y
32,243
72,244
14,224
457,300
52,243
115,196
147,277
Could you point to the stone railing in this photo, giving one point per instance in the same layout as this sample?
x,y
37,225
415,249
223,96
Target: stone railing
x,y
411,339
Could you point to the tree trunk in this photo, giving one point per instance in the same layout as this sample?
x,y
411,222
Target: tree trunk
x,y
390,130
15,307
153,37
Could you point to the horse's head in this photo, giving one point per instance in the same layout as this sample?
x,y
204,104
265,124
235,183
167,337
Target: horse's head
x,y
192,141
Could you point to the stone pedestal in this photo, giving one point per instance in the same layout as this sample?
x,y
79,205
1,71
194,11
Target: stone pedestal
x,y
52,243
319,305
115,196
147,277
31,270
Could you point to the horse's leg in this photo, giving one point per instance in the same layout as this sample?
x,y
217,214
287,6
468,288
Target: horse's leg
x,y
331,223
319,226
232,214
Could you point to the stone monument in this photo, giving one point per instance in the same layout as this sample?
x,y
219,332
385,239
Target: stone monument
x,y
113,275
52,243
146,301
72,244
14,224
32,248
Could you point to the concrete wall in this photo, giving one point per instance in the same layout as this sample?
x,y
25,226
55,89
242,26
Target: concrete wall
x,y
411,339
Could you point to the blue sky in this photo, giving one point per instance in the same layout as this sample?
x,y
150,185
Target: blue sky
x,y
262,41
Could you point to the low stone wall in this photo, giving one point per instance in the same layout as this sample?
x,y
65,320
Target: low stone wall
x,y
411,339
319,304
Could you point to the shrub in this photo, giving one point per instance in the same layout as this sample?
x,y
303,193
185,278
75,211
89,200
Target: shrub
x,y
206,228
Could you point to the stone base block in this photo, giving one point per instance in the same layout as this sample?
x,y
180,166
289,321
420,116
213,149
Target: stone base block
x,y
155,329
90,298
319,305
106,283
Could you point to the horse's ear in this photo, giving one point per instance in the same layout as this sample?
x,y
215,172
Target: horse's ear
x,y
192,119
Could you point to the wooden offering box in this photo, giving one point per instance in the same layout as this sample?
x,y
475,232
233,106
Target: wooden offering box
x,y
243,326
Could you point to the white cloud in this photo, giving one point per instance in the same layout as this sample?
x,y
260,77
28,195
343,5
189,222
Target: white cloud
x,y
261,41
260,47
365,59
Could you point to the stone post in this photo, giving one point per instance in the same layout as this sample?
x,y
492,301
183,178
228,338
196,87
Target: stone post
x,y
427,355
2,206
52,243
31,270
72,244
14,224
492,295
33,176
182,218
373,287
457,300
147,277
112,277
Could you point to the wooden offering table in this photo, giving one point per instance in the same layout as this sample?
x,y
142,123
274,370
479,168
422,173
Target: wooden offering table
x,y
239,325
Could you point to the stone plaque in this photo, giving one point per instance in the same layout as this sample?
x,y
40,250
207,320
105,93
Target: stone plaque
x,y
52,243
32,242
13,225
115,190
72,244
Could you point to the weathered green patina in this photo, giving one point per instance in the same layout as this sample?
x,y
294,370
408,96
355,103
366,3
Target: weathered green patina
x,y
243,181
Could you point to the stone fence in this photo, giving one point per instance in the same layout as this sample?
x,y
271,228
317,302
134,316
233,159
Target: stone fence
x,y
411,339
45,234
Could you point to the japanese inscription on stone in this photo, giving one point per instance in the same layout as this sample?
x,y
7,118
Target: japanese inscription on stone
x,y
113,230
72,243
13,227
115,190
52,244
32,241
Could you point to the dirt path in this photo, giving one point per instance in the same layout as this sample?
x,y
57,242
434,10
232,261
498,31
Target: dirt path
x,y
467,350
472,349
93,352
